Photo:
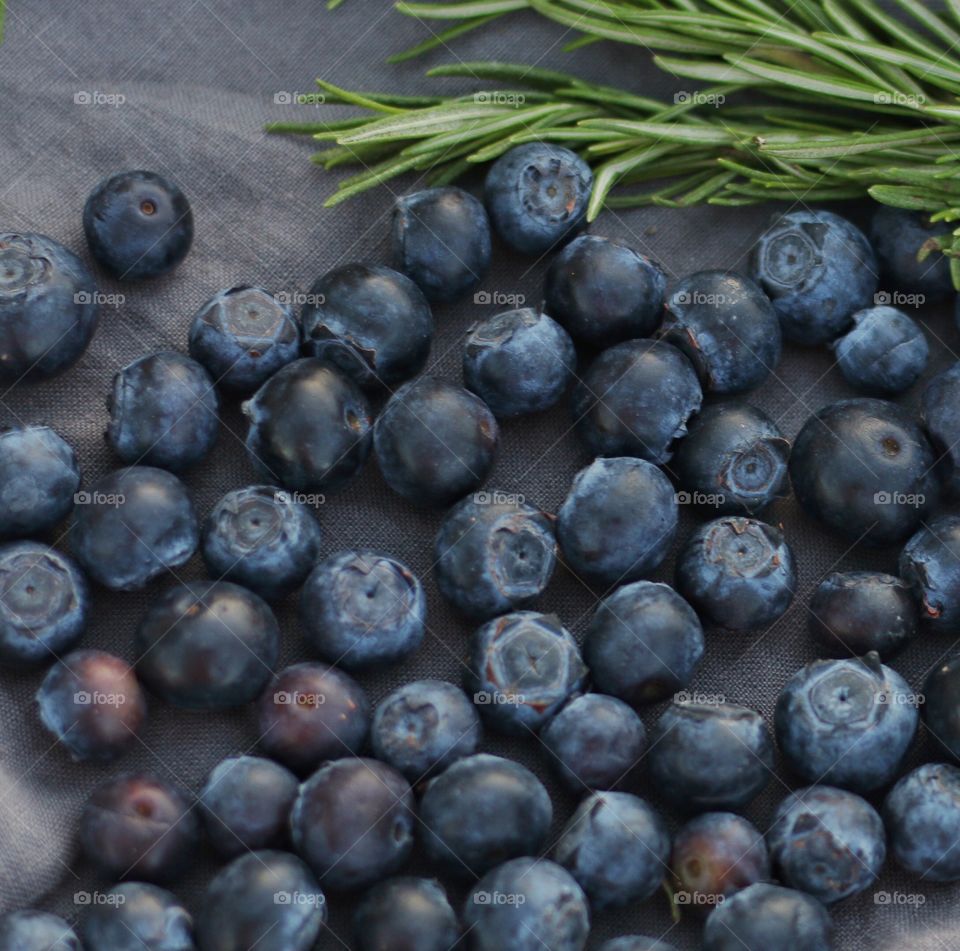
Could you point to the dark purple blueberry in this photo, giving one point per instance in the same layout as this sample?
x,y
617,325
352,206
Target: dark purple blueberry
x,y
883,353
310,427
243,335
644,643
435,441
900,238
32,930
715,855
481,811
163,412
930,564
522,668
264,900
405,914
44,603
362,608
370,322
635,399
353,822
39,476
441,241
738,573
261,537
132,526
603,292
49,303
422,727
135,916
940,419
311,713
941,706
135,826
207,645
855,612
138,224
245,805
93,705
494,554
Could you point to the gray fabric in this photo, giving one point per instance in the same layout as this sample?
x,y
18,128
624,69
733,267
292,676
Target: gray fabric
x,y
198,80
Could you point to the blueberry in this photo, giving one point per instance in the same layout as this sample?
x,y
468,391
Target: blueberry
x,y
494,554
207,645
243,335
922,816
715,855
705,757
644,643
372,323
635,942
536,195
265,900
163,412
136,826
884,352
405,914
422,727
92,703
738,573
853,613
312,713
138,224
899,236
864,469
245,805
44,603
941,421
132,526
827,842
763,917
527,904
728,329
818,269
618,520
616,847
310,427
733,460
519,362
353,821
603,292
441,241
483,810
941,708
594,742
846,723
48,308
38,478
262,538
31,930
635,400
362,608
523,667
930,564
435,441
135,916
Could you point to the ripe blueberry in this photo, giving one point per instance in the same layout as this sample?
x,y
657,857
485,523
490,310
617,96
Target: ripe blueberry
x,y
930,564
33,930
883,353
899,236
406,914
135,916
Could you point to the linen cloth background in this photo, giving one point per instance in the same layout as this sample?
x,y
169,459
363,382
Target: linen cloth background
x,y
199,78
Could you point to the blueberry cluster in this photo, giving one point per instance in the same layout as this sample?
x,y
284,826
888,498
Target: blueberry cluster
x,y
338,791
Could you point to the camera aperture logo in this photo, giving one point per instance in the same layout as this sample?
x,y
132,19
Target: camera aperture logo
x,y
699,899
910,499
296,698
486,698
98,98
698,699
898,299
899,898
112,499
313,499
98,898
499,898
98,698
498,498
706,499
99,298
299,898
499,299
